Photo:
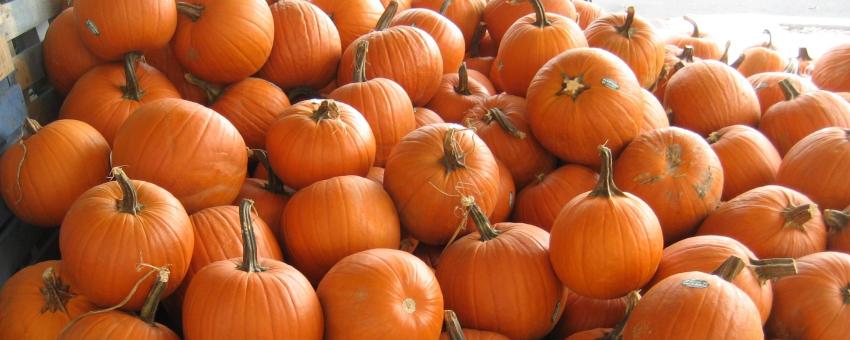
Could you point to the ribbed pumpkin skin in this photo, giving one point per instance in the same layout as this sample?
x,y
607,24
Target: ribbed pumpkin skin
x,y
110,29
756,218
268,204
425,116
654,116
229,42
708,95
642,49
101,246
831,69
482,79
677,174
583,313
465,14
252,105
520,151
426,193
206,162
766,86
761,59
514,266
825,156
446,34
541,200
164,60
748,158
98,97
60,162
385,106
706,253
400,292
332,152
117,325
674,309
66,59
507,194
587,12
352,18
813,303
302,29
334,218
452,104
501,14
787,122
474,334
21,303
572,129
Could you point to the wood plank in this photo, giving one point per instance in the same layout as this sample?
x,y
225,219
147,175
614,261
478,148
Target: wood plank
x,y
19,16
29,66
6,64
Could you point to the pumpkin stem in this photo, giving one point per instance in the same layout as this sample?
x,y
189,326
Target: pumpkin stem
x,y
249,241
148,311
836,220
360,61
192,11
474,48
803,54
499,116
462,87
617,332
730,268
626,29
213,92
453,325
540,13
454,157
387,16
129,203
327,110
846,292
725,57
31,126
572,86
540,177
788,89
132,90
661,75
606,187
480,219
55,293
771,269
796,217
444,7
274,184
769,43
695,33
737,63
713,137
687,54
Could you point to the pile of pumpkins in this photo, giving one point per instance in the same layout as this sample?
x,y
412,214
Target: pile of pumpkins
x,y
366,169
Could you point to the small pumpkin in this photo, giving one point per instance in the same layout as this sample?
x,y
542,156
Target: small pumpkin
x,y
269,194
838,222
66,58
110,30
446,34
587,12
748,158
507,192
352,18
584,313
704,47
803,168
760,59
455,332
425,116
674,60
501,14
542,199
464,14
766,86
457,94
632,39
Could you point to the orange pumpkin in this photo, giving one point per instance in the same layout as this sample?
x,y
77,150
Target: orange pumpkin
x,y
760,59
402,4
376,174
464,14
501,14
830,71
838,222
804,170
455,332
805,63
352,18
541,200
206,161
457,94
165,61
425,116
631,38
482,79
583,314
674,60
111,29
654,116
269,194
766,86
43,174
587,12
66,59
446,34
748,158
704,47
507,192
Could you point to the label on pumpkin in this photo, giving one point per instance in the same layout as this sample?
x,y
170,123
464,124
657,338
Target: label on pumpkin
x,y
695,283
92,27
610,83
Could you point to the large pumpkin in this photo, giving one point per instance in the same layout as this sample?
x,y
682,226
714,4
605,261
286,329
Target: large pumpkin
x,y
677,174
206,159
383,103
111,29
748,158
114,227
381,293
831,69
501,14
768,90
43,174
352,18
457,94
432,171
66,59
337,136
819,166
631,38
625,234
583,98
164,60
446,34
583,314
529,43
541,200
838,222
704,47
465,14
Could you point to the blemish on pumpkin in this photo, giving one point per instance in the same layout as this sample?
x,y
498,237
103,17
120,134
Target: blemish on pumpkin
x,y
703,187
555,312
408,305
673,158
690,283
647,178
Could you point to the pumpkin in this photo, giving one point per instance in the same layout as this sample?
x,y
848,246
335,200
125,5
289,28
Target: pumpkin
x,y
632,39
760,59
542,199
501,121
787,122
610,333
818,166
351,18
748,159
625,233
110,30
476,59
570,114
404,54
696,305
501,14
654,116
383,103
283,304
583,314
46,170
425,116
838,222
831,70
428,254
528,44
36,304
677,174
457,94
587,12
206,162
805,63
704,47
813,303
507,192
251,105
482,79
448,37
115,324
224,41
270,195
376,174
400,292
509,262
464,14
113,227
766,86
708,95
164,60
455,332
357,214
432,171
301,29
66,59
108,94
339,138
674,60
705,253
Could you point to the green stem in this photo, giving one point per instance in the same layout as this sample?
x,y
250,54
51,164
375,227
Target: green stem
x,y
496,114
714,137
213,92
631,302
687,54
274,184
148,312
462,87
796,217
606,187
695,33
387,16
836,220
131,89
540,14
327,110
485,229
788,89
730,268
454,156
129,202
626,29
192,11
475,42
444,7
55,293
453,327
771,269
360,61
250,263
